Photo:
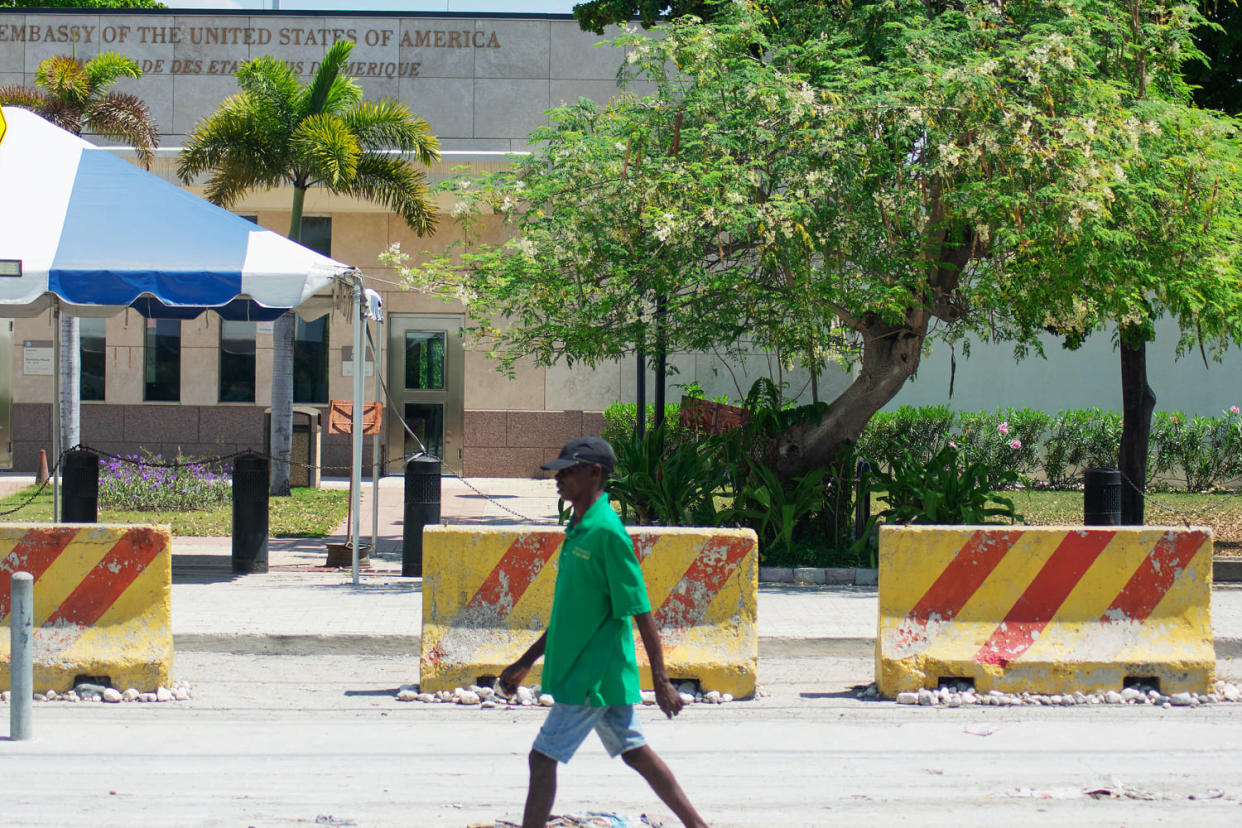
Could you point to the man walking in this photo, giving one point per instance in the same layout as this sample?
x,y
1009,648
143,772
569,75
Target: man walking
x,y
590,667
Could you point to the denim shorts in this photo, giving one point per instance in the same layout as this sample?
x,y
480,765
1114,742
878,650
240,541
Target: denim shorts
x,y
567,726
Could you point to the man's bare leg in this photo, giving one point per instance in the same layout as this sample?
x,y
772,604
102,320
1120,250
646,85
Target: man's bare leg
x,y
652,768
542,791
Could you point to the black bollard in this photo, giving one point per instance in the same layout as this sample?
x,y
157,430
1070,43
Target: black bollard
x,y
250,488
862,500
1101,497
79,490
422,506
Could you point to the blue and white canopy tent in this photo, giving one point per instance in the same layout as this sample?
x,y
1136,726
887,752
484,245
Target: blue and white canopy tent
x,y
87,233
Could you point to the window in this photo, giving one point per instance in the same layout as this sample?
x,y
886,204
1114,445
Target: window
x,y
317,234
93,358
237,361
310,361
162,361
424,359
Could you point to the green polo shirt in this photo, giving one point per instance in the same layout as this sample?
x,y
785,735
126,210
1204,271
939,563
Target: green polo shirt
x,y
589,658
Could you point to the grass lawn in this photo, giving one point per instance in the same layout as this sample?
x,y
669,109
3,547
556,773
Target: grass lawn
x,y
307,513
1222,512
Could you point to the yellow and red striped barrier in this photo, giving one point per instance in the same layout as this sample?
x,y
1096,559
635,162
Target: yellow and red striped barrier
x,y
1045,609
487,595
101,600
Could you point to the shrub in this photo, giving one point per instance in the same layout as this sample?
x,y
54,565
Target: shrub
x,y
142,482
948,489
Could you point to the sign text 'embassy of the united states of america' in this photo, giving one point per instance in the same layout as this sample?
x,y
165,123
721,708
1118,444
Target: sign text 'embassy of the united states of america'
x,y
114,36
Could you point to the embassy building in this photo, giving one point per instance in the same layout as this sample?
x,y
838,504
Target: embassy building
x,y
202,386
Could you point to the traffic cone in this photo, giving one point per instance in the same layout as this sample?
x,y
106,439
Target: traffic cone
x,y
42,475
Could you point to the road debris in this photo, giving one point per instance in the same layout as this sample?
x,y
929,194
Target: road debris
x,y
89,692
490,697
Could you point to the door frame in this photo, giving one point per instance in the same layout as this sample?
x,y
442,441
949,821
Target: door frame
x,y
452,397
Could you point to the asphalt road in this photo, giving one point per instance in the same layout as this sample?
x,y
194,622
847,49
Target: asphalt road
x,y
319,740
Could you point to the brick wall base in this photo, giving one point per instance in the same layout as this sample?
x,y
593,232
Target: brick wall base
x,y
517,443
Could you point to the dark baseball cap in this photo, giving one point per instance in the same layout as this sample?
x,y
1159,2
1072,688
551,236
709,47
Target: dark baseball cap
x,y
584,450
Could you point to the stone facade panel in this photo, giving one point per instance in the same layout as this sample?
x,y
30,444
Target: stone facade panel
x,y
486,428
503,462
543,429
524,50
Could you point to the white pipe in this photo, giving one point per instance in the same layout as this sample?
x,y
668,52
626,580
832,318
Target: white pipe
x,y
375,440
355,466
56,446
21,664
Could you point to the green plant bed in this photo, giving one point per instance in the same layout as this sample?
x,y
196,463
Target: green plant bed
x,y
307,513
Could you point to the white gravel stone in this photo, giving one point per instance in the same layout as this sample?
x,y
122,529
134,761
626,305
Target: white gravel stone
x,y
112,695
1230,692
406,695
1166,705
4,696
907,698
469,697
687,698
51,695
181,694
163,694
489,704
130,695
725,698
40,697
71,697
954,700
546,700
484,693
1181,700
525,695
712,697
1112,697
926,697
648,697
1131,694
969,699
445,695
147,697
427,698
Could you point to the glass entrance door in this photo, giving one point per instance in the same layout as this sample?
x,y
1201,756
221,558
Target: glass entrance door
x,y
426,379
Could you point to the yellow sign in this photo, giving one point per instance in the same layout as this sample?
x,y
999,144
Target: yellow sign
x,y
3,125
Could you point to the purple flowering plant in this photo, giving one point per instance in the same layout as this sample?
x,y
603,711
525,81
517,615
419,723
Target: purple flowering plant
x,y
148,482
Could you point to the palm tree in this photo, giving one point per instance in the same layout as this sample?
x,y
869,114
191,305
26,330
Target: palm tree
x,y
77,96
275,132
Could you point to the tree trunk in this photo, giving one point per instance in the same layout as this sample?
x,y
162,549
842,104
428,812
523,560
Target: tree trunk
x,y
282,375
70,369
1137,403
890,357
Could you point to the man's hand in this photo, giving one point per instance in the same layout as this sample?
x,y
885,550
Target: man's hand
x,y
512,677
668,698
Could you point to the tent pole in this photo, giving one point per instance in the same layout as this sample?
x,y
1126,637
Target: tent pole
x,y
375,440
355,466
56,447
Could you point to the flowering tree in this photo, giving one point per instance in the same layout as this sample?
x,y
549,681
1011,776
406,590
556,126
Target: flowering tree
x,y
982,171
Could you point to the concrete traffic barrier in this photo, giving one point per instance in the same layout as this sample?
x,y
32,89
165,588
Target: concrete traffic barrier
x,y
1045,609
487,595
101,603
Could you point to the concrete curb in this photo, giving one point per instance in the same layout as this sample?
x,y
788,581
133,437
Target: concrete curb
x,y
818,576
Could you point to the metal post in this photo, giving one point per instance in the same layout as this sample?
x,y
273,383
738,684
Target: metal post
x,y
355,465
21,664
81,488
422,507
1101,497
251,487
56,446
375,440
